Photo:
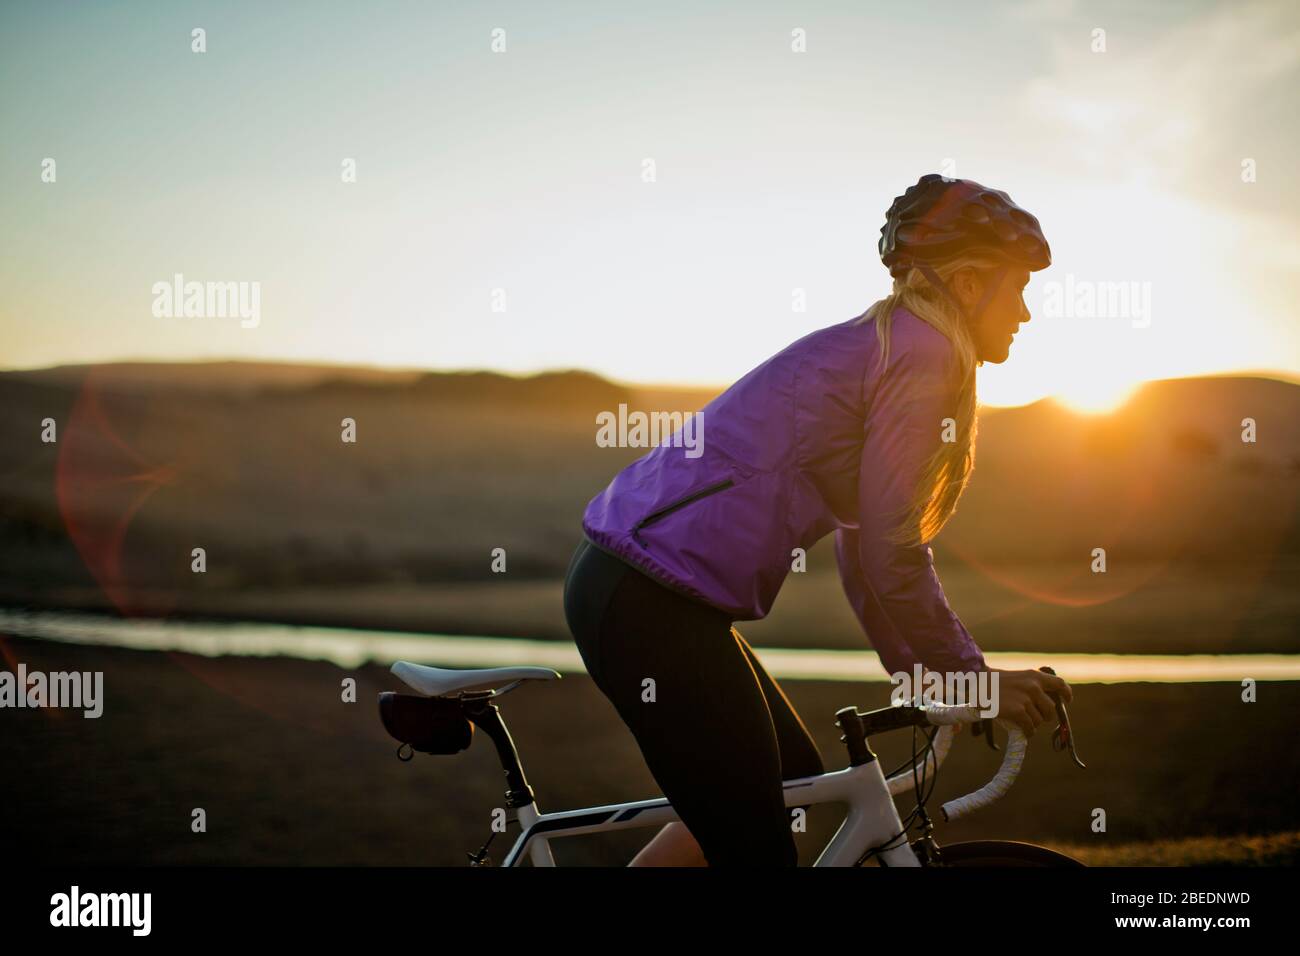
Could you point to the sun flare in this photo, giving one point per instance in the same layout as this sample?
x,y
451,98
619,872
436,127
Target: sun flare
x,y
1096,398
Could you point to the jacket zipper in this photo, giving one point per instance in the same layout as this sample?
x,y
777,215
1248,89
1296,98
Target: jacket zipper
x,y
682,503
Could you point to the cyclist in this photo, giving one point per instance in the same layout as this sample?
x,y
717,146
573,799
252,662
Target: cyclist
x,y
865,428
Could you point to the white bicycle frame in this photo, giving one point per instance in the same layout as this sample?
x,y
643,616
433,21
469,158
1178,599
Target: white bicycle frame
x,y
872,820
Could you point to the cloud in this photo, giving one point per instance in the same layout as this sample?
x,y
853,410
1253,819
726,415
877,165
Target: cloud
x,y
1042,10
1165,99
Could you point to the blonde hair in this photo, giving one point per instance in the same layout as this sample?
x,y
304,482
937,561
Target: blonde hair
x,y
945,475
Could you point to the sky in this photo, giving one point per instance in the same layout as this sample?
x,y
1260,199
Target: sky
x,y
502,216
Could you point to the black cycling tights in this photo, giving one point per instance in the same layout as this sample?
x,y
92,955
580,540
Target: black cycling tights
x,y
717,732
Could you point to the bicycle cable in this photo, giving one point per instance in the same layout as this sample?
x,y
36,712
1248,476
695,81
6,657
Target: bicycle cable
x,y
922,795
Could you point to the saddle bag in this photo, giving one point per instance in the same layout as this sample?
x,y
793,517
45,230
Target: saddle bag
x,y
431,725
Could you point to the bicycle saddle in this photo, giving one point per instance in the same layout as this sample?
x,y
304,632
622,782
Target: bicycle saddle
x,y
439,681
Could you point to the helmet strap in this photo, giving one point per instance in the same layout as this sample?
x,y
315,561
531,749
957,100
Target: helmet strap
x,y
990,290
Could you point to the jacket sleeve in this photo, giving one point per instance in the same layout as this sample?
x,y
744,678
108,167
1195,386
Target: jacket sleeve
x,y
894,589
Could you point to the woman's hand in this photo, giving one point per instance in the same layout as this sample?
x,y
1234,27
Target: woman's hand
x,y
1023,700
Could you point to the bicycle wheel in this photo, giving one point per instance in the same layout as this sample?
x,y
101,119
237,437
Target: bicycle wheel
x,y
999,853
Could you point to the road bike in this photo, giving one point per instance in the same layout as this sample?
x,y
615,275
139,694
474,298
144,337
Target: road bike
x,y
441,717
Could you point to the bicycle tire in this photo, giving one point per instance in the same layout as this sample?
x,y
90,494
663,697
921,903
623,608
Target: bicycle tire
x,y
1002,853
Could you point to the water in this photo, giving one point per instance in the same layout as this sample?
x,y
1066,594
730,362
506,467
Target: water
x,y
349,648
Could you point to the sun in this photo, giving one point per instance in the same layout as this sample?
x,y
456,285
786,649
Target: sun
x,y
1095,397
1085,384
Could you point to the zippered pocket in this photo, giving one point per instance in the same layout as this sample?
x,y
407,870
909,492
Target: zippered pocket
x,y
680,503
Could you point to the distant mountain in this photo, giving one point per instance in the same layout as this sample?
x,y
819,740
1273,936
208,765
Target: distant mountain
x,y
217,377
553,388
1167,472
548,389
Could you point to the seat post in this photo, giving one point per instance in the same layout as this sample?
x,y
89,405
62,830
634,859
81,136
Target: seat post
x,y
487,717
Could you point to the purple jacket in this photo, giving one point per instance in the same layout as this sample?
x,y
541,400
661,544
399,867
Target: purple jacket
x,y
814,440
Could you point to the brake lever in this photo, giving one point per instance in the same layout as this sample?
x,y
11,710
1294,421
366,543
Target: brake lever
x,y
1062,737
985,726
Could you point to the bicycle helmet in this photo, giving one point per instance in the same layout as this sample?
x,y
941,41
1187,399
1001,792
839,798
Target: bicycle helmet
x,y
940,218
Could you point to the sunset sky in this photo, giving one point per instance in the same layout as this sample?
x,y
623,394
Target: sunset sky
x,y
522,171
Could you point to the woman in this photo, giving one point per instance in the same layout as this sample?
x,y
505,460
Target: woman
x,y
866,429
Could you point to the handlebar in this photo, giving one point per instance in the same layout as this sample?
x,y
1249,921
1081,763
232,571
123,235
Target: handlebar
x,y
945,717
996,788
